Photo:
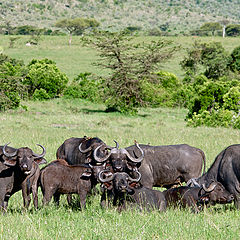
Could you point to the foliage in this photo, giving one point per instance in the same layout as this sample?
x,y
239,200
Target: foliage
x,y
214,104
210,27
235,61
233,30
44,74
77,25
129,64
12,72
40,95
83,87
211,58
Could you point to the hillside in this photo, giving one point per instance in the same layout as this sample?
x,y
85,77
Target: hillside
x,y
177,15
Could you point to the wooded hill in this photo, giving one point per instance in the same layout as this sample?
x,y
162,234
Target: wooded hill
x,y
174,16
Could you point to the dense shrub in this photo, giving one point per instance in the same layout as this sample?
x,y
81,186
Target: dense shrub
x,y
165,91
85,88
235,61
12,73
211,59
44,74
215,104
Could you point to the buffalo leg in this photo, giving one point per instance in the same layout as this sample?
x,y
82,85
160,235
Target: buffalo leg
x,y
56,197
83,196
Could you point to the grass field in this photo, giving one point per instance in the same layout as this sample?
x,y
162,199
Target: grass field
x,y
75,59
50,123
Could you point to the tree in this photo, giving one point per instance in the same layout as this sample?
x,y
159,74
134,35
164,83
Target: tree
x,y
233,30
129,64
77,26
208,57
211,27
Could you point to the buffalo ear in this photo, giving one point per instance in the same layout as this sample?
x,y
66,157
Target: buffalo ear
x,y
40,161
11,162
86,175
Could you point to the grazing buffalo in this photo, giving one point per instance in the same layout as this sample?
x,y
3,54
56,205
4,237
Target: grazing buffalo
x,y
19,170
226,170
60,178
80,150
126,193
195,197
166,166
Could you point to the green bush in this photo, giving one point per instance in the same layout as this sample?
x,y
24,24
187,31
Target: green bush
x,y
85,88
40,94
165,91
215,118
12,72
235,62
44,74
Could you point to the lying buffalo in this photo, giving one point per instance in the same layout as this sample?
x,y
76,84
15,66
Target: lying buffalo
x,y
226,170
196,197
19,170
60,178
126,193
165,166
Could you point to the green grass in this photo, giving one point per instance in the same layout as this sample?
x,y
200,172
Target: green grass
x,y
75,58
50,123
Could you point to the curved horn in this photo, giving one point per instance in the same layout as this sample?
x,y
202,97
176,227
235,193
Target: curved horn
x,y
85,150
9,154
136,179
98,159
210,188
133,159
193,182
103,180
117,145
42,154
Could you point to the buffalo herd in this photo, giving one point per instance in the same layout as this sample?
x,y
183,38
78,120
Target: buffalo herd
x,y
126,175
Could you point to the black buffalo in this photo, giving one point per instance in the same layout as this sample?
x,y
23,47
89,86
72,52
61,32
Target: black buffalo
x,y
80,150
60,178
166,166
126,192
226,170
19,170
196,197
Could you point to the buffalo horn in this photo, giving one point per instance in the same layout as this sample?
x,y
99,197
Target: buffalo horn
x,y
42,154
117,145
210,188
136,179
133,159
98,159
9,154
84,150
103,180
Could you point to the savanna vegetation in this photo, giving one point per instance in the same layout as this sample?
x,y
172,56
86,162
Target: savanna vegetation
x,y
82,112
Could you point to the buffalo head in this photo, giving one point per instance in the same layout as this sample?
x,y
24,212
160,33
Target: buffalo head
x,y
120,182
215,193
120,159
23,157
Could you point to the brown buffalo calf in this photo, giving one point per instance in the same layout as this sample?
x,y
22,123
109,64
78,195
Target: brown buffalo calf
x,y
194,196
60,178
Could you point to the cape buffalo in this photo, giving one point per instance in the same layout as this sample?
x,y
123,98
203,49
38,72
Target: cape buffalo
x,y
60,178
165,166
127,194
80,150
19,170
226,170
195,197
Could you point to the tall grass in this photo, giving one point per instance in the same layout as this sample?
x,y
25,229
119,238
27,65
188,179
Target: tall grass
x,y
50,123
